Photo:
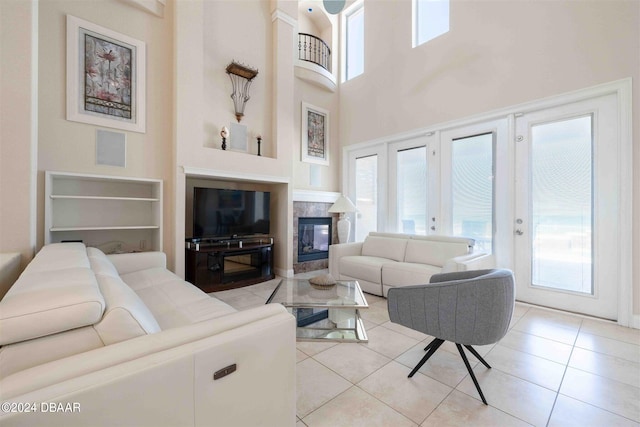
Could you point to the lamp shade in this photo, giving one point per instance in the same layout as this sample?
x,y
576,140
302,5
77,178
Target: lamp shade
x,y
343,204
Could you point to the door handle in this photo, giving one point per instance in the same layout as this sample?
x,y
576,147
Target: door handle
x,y
519,232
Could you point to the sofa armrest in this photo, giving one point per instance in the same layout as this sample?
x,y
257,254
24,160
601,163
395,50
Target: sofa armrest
x,y
338,251
175,370
128,263
479,261
9,271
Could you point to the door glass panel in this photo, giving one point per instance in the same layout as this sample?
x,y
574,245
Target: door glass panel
x,y
366,196
561,202
472,189
412,191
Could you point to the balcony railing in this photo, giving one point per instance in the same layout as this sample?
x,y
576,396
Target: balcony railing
x,y
313,49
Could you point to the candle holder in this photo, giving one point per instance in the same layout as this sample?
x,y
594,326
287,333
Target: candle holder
x,y
259,138
224,133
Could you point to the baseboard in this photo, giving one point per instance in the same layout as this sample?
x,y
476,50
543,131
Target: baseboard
x,y
635,321
283,272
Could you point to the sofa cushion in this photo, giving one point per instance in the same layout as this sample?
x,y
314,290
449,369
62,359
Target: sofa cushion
x,y
125,315
406,273
434,252
100,263
171,300
384,247
59,256
363,267
47,302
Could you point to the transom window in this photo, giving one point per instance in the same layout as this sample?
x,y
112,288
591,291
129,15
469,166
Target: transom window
x,y
354,41
430,20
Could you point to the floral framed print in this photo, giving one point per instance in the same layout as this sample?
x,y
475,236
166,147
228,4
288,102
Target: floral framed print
x,y
315,135
105,77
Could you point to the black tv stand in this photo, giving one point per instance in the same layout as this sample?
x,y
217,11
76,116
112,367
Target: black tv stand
x,y
217,265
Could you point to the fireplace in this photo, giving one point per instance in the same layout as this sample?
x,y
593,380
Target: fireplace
x,y
314,238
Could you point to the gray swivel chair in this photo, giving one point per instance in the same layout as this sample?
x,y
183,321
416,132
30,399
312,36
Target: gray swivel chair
x,y
466,307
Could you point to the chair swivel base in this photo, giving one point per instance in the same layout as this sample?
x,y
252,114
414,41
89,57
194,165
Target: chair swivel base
x,y
436,343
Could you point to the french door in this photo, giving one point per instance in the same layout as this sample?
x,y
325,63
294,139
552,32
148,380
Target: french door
x,y
566,222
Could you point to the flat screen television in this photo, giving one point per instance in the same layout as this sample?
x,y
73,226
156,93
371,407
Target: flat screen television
x,y
219,213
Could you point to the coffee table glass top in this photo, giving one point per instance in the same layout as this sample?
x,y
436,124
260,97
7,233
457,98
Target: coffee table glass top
x,y
323,313
300,293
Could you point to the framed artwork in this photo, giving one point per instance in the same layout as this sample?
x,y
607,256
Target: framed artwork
x,y
238,137
315,135
105,77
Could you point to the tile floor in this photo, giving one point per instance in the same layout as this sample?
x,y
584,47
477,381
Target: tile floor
x,y
551,369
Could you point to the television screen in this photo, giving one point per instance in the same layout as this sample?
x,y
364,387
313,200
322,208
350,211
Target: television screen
x,y
229,213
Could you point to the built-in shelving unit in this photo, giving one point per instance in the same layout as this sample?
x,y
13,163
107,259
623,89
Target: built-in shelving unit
x,y
115,214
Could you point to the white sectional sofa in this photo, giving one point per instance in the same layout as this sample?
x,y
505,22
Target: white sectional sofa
x,y
95,340
387,260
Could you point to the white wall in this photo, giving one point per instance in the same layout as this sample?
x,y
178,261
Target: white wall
x,y
496,54
18,126
70,146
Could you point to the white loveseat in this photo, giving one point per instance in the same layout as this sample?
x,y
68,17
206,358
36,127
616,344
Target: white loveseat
x,y
95,340
387,260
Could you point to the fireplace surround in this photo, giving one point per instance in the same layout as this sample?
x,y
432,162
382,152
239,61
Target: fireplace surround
x,y
311,209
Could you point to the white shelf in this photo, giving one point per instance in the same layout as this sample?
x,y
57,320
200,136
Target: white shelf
x,y
133,199
116,227
101,209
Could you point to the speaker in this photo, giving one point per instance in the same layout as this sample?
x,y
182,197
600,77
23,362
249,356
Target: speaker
x,y
111,148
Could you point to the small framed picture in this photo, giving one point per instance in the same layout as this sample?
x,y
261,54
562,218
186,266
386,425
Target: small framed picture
x,y
105,77
315,135
238,137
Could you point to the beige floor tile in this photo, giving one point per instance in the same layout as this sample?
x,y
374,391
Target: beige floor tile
x,y
264,294
537,346
442,366
482,350
547,325
311,348
316,385
569,412
375,315
300,356
351,361
613,396
230,294
372,299
517,397
388,342
611,367
458,409
381,303
520,309
356,408
244,301
300,424
531,368
414,397
611,330
406,331
609,346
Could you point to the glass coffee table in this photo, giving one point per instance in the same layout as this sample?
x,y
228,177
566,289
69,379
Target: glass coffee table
x,y
323,313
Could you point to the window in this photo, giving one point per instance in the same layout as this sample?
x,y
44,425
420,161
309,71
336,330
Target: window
x,y
366,196
430,20
472,173
411,191
354,42
562,204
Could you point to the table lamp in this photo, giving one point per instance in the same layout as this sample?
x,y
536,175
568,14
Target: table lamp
x,y
342,206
